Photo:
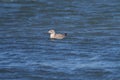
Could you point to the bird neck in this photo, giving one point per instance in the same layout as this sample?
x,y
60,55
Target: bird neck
x,y
52,35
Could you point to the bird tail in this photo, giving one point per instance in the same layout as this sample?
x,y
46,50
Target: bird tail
x,y
65,34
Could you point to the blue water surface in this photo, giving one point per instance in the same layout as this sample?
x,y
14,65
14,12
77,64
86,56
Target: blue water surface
x,y
91,51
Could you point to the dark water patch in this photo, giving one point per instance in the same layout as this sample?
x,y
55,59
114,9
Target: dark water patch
x,y
93,73
12,73
78,54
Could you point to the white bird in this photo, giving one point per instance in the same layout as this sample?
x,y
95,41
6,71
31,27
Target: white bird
x,y
53,35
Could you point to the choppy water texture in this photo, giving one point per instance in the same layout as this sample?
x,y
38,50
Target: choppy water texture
x,y
91,50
